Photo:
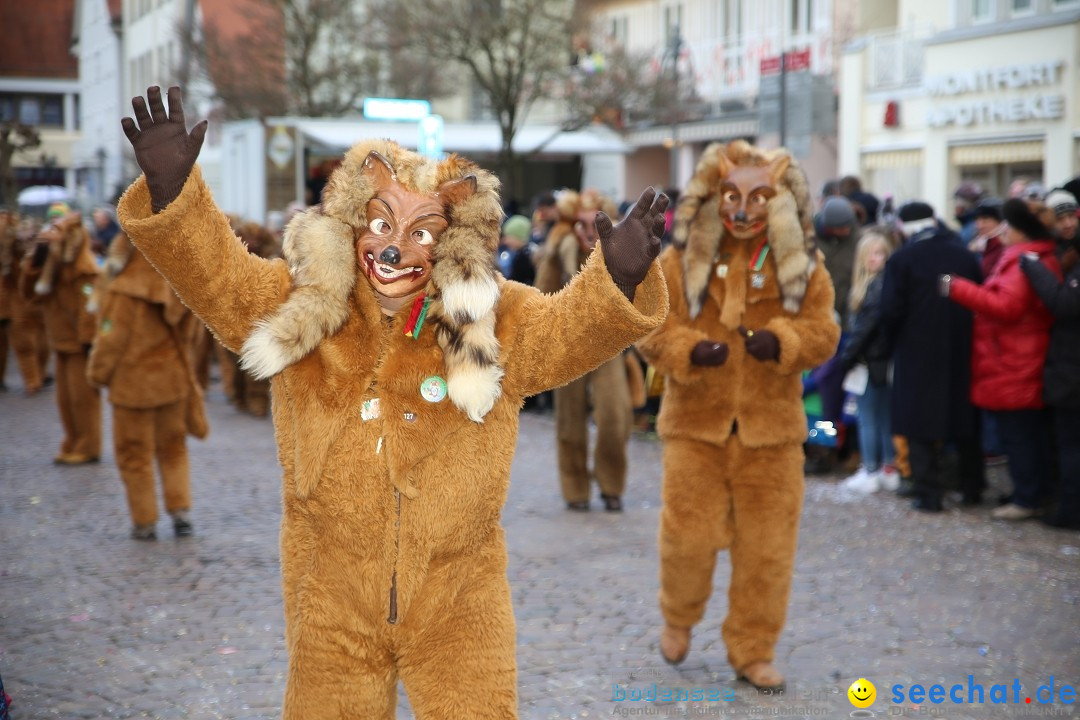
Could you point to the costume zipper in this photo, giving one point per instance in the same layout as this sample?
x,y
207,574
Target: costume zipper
x,y
392,617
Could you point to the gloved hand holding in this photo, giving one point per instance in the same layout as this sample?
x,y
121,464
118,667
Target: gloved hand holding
x,y
761,344
709,354
631,246
164,149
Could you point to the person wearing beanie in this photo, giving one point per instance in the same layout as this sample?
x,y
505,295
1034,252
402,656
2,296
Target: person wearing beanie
x,y
837,233
56,210
931,341
965,198
987,244
515,251
1064,206
1011,338
1061,377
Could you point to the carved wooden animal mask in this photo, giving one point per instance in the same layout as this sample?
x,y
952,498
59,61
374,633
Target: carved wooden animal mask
x,y
745,192
395,249
66,237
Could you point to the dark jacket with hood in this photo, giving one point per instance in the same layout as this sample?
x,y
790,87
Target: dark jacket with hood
x,y
839,255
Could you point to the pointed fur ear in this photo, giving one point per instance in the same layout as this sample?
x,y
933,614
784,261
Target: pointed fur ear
x,y
778,167
453,192
379,169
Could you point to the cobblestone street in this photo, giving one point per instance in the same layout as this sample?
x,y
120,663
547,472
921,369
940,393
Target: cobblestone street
x,y
96,625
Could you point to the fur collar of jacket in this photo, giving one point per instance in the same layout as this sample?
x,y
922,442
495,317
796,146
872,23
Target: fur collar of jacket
x,y
698,229
320,250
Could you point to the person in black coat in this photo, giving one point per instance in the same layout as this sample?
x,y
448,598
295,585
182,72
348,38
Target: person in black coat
x,y
1061,378
931,341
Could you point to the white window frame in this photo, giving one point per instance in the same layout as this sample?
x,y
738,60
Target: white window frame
x,y
1064,4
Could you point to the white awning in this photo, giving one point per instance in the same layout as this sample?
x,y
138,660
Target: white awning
x,y
338,136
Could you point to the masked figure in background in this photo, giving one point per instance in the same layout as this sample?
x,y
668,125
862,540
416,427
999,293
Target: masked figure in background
x,y
399,359
20,318
751,309
143,355
606,390
59,275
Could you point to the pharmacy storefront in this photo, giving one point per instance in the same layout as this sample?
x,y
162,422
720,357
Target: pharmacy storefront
x,y
993,105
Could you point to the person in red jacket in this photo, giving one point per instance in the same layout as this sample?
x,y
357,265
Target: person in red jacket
x,y
1011,336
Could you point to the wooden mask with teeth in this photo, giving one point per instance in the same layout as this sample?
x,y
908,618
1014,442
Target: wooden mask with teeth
x,y
395,248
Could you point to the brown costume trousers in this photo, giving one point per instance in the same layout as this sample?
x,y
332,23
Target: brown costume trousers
x,y
80,406
747,500
140,436
607,390
28,341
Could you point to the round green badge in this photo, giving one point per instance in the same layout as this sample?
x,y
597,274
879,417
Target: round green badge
x,y
433,389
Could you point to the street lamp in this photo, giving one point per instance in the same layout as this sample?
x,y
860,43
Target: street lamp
x,y
100,154
674,49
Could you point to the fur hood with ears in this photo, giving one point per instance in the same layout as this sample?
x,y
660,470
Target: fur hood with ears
x,y
320,249
698,228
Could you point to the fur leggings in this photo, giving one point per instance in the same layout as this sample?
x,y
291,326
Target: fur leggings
x,y
748,501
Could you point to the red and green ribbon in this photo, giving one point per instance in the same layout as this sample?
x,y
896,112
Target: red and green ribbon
x,y
758,259
417,316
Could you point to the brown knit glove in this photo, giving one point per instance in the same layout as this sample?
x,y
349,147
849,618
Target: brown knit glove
x,y
709,354
631,246
164,149
761,344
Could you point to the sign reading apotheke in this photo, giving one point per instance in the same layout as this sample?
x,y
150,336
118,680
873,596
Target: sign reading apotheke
x,y
1004,106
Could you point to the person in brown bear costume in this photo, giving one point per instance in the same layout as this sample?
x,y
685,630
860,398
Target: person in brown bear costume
x,y
22,322
247,393
606,389
59,274
751,308
399,359
142,354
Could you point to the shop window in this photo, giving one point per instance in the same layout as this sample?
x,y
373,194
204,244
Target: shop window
x,y
7,109
29,110
52,111
620,30
982,10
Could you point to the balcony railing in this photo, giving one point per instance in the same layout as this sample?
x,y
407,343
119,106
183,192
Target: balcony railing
x,y
895,59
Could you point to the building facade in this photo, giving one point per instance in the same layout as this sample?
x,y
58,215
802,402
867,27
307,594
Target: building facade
x,y
968,90
100,172
731,49
39,87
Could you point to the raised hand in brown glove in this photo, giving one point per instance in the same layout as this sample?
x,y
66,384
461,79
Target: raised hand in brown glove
x,y
164,149
631,246
709,353
761,344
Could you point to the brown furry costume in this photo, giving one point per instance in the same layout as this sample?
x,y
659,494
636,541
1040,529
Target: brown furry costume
x,y
22,322
393,558
733,432
62,285
246,392
606,389
137,357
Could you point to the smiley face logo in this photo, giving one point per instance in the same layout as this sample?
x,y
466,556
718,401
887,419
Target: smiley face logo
x,y
862,693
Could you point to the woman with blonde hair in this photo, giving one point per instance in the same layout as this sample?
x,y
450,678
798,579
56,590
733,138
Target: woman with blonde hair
x,y
867,347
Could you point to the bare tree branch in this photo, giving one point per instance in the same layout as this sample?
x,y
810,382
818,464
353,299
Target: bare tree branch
x,y
15,137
